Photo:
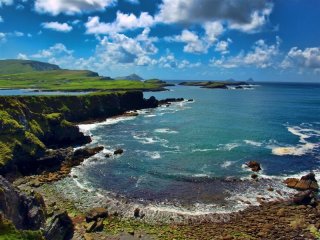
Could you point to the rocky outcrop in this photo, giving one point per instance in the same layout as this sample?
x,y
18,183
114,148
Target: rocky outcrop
x,y
254,166
305,198
26,212
96,213
307,182
30,125
60,227
118,152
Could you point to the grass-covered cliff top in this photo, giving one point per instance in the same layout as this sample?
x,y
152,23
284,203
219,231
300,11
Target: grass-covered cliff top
x,y
16,74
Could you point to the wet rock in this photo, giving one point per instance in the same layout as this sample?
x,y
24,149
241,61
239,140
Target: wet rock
x,y
190,100
254,176
254,166
60,228
307,182
86,152
108,155
305,198
96,213
118,151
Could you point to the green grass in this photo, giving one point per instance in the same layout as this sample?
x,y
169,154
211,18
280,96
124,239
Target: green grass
x,y
22,66
71,80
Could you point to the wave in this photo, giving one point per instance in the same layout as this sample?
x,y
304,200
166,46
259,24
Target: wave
x,y
151,154
202,150
227,147
87,128
226,164
305,146
253,143
165,130
144,139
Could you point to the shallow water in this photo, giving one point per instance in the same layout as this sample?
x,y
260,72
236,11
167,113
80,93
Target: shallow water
x,y
191,154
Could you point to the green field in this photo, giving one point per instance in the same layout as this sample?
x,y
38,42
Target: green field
x,y
17,74
69,80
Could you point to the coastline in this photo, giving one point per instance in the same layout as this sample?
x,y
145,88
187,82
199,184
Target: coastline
x,y
177,226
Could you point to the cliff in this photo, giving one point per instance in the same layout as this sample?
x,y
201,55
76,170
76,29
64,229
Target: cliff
x,y
29,125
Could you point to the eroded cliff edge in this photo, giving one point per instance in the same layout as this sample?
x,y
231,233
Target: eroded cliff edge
x,y
29,125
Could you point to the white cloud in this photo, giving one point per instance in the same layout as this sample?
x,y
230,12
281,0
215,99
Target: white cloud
x,y
22,56
71,7
52,52
309,58
198,11
122,23
5,2
213,30
193,43
170,61
2,37
56,26
223,46
261,56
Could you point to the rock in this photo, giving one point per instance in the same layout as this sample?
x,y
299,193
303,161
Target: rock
x,y
118,151
305,198
307,182
99,226
25,211
96,213
190,100
86,152
254,165
254,176
91,226
60,228
108,155
136,213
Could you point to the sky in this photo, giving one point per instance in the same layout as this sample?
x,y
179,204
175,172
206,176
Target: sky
x,y
168,39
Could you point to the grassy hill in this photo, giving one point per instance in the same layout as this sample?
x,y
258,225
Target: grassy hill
x,y
23,66
33,75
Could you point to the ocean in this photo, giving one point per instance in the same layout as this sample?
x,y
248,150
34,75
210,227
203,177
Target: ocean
x,y
189,158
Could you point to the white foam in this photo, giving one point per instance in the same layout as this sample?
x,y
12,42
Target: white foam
x,y
226,164
202,150
301,149
253,143
87,128
165,130
227,147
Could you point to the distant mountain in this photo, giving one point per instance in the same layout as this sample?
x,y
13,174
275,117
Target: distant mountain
x,y
12,66
250,80
133,77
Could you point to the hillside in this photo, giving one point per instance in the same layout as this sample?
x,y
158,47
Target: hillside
x,y
13,66
17,74
132,77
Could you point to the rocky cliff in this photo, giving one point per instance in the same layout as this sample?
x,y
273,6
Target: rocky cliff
x,y
31,124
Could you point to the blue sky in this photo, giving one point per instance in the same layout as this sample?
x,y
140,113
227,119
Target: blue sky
x,y
168,39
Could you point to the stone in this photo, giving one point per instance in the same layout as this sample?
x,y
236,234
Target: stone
x,y
254,176
136,213
60,228
254,166
96,213
305,198
307,182
118,151
91,226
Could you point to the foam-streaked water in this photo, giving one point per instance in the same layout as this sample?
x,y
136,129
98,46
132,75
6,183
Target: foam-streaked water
x,y
190,156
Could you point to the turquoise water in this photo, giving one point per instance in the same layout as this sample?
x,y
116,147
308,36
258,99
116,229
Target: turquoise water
x,y
194,152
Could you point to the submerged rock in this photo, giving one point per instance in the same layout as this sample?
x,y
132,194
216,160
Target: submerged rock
x,y
254,165
307,182
118,152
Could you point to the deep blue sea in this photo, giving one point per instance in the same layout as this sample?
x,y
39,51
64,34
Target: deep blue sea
x,y
192,154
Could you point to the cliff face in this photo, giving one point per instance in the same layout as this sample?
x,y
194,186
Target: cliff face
x,y
31,124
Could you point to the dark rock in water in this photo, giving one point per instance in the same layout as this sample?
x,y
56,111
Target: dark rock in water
x,y
136,213
108,155
305,198
118,152
86,152
26,212
96,213
254,165
170,100
238,87
190,100
254,176
307,182
60,228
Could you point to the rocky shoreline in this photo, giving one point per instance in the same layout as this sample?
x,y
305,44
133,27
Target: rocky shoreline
x,y
33,208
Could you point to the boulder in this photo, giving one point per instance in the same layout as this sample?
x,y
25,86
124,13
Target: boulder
x,y
25,211
254,166
136,213
86,152
96,213
60,228
307,182
254,176
305,198
118,152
